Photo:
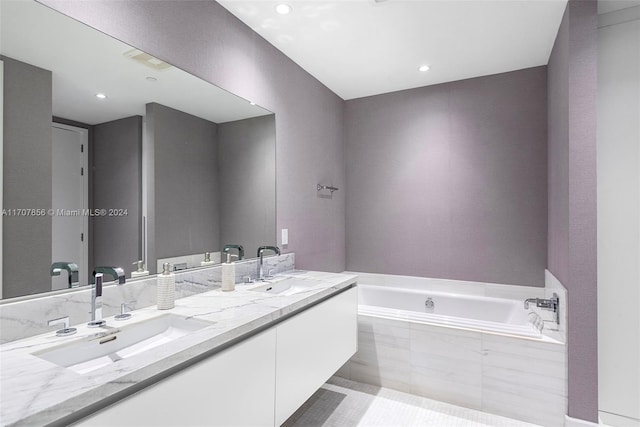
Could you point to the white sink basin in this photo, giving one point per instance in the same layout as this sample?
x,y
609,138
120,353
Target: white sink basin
x,y
288,286
104,349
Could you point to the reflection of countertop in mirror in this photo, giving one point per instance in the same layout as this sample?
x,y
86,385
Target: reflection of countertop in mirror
x,y
38,392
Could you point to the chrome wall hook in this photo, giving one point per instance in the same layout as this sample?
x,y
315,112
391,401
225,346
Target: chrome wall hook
x,y
327,187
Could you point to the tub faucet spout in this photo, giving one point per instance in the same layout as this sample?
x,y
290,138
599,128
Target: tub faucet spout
x,y
552,304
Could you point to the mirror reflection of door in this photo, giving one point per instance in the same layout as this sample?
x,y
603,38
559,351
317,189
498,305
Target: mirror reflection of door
x,y
69,199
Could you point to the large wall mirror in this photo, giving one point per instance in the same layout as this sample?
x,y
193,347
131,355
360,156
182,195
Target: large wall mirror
x,y
111,156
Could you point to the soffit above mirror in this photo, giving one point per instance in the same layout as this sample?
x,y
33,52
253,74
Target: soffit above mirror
x,y
85,62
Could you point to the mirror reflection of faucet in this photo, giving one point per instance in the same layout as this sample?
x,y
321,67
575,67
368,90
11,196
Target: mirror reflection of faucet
x,y
72,270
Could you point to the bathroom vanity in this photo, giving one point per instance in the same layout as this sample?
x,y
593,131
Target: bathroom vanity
x,y
248,357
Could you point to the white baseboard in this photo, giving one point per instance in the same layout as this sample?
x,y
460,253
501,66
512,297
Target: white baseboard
x,y
577,422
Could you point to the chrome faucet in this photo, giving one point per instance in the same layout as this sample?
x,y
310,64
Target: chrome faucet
x,y
240,249
261,250
72,270
552,304
96,302
66,330
116,272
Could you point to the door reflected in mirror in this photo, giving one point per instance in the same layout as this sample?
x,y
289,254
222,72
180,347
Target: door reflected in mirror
x,y
160,166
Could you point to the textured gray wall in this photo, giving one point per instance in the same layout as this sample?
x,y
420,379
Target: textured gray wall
x,y
572,195
27,178
247,177
225,52
449,181
117,184
186,210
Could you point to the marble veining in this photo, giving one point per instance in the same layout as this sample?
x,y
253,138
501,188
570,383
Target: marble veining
x,y
22,318
37,392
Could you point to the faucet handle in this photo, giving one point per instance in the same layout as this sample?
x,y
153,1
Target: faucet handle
x,y
123,307
66,330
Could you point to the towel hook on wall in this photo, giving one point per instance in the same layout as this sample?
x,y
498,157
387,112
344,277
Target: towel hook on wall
x,y
327,187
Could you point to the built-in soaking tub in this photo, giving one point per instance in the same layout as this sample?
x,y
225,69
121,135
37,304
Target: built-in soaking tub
x,y
467,343
478,313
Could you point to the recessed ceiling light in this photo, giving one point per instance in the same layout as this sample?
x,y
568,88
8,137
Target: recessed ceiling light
x,y
101,95
283,9
423,68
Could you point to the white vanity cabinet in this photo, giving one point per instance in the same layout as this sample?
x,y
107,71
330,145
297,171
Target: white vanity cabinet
x,y
311,347
260,381
232,388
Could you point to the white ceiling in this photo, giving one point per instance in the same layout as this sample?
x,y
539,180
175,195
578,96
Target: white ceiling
x,y
85,61
359,48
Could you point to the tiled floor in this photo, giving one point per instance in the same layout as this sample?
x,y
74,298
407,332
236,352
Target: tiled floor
x,y
344,403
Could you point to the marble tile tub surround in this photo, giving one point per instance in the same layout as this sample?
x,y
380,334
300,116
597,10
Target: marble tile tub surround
x,y
28,317
525,379
37,392
521,378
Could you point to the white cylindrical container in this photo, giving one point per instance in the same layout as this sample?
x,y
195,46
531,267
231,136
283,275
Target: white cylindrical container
x,y
166,288
229,274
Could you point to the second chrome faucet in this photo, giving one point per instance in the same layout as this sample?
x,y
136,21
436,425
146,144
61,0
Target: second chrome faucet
x,y
96,292
261,251
96,302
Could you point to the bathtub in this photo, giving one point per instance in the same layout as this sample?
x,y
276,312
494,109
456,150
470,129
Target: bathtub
x,y
470,344
477,313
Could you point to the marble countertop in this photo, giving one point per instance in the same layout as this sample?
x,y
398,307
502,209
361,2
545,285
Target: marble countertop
x,y
35,392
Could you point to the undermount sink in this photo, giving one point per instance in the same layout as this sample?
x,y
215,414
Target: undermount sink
x,y
106,348
287,286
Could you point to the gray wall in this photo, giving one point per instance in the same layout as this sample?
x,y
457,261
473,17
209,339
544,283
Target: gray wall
x,y
449,181
246,157
27,178
186,209
117,184
572,258
225,52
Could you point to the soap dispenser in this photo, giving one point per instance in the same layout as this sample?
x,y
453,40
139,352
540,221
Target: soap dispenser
x,y
141,271
207,260
229,274
166,288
